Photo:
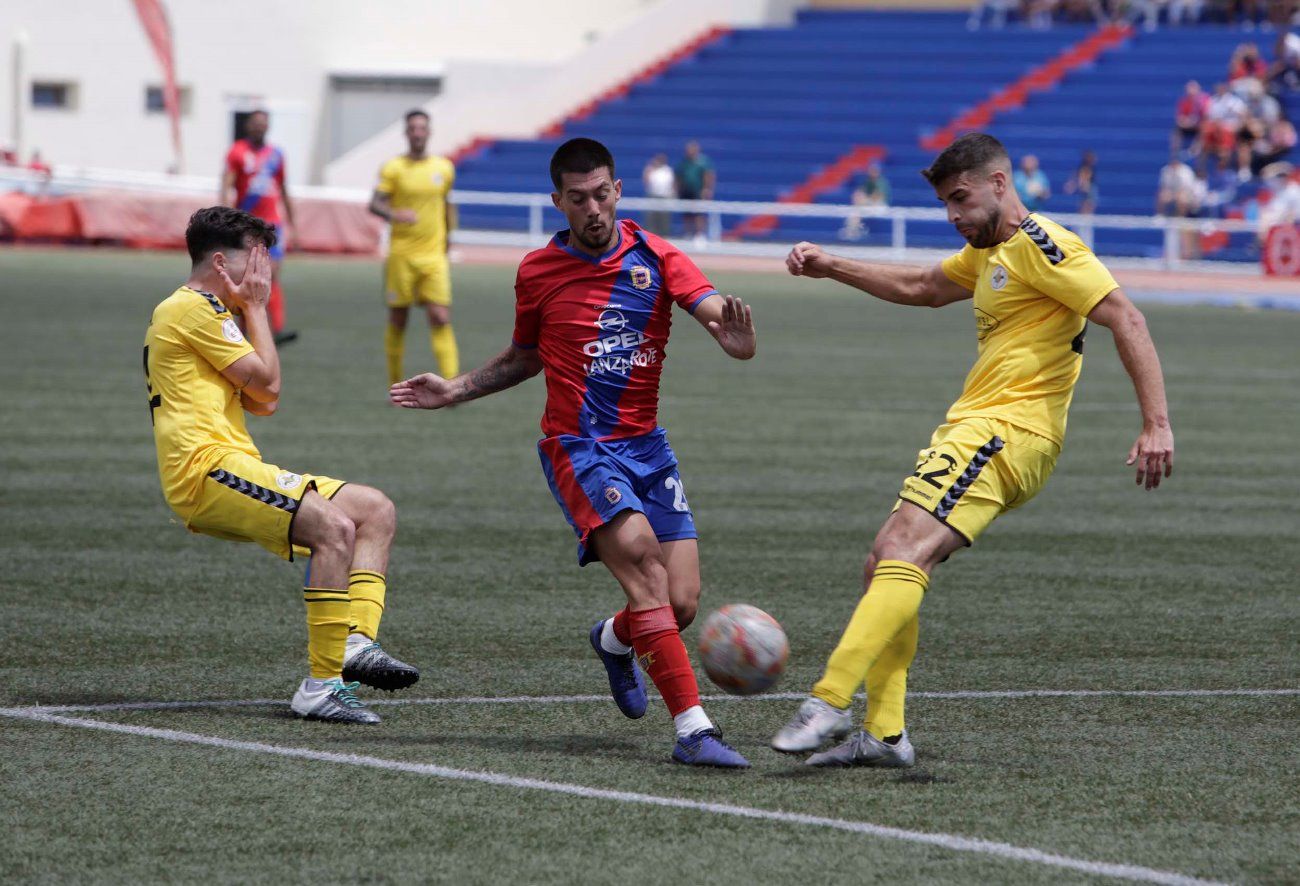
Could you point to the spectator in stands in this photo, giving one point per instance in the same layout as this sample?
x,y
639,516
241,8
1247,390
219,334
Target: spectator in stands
x,y
1243,12
1179,192
1189,116
1032,184
1283,206
1185,11
1225,115
997,11
1273,142
1083,184
872,190
695,181
1038,13
1246,62
661,184
1285,71
8,156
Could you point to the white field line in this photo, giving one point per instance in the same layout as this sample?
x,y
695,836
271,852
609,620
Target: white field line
x,y
953,842
582,699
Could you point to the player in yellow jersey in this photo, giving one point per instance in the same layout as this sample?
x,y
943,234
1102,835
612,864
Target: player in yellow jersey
x,y
209,357
412,197
1035,286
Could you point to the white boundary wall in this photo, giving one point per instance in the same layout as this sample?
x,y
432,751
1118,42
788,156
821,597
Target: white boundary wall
x,y
517,100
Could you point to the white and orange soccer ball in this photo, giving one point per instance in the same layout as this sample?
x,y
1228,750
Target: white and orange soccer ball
x,y
743,649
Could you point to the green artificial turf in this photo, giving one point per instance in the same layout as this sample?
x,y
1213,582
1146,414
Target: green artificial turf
x,y
790,462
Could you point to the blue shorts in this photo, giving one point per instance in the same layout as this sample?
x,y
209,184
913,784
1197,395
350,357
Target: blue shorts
x,y
277,251
595,481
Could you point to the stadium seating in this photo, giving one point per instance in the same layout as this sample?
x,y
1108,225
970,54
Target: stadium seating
x,y
773,106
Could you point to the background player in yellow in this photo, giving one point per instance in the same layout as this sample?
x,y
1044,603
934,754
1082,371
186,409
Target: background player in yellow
x,y
412,197
205,369
1035,285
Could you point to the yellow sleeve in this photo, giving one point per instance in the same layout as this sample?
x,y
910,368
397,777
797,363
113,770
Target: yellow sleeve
x,y
963,268
1078,281
215,337
387,179
451,174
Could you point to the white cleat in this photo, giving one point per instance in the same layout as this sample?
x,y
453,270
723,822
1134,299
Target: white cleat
x,y
864,749
815,722
331,701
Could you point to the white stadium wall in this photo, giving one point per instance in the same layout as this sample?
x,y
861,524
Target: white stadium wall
x,y
518,98
240,54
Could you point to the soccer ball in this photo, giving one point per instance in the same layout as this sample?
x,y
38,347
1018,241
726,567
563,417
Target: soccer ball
x,y
743,649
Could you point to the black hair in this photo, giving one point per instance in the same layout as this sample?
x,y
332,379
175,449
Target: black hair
x,y
580,155
221,227
974,151
263,111
415,113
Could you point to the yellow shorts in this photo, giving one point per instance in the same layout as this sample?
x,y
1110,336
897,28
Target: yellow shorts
x,y
975,469
243,499
417,280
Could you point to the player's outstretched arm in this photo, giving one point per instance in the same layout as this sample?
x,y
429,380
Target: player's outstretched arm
x,y
731,323
900,284
1153,453
429,391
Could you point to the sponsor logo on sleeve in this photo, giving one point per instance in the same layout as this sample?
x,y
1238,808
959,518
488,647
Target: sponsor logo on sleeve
x,y
230,329
288,481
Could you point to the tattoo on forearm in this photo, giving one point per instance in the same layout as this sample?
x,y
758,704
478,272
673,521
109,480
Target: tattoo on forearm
x,y
496,375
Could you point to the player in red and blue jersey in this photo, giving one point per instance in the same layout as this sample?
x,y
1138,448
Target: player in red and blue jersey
x,y
593,310
253,180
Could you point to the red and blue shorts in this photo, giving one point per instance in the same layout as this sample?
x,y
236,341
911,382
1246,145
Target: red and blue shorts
x,y
594,481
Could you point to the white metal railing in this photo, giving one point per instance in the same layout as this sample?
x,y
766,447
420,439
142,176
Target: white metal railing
x,y
721,215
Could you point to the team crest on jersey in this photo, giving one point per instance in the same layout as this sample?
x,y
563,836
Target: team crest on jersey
x,y
288,481
612,495
230,329
640,276
437,179
999,278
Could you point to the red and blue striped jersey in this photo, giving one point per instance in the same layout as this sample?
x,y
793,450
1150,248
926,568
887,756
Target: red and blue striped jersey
x,y
600,324
259,179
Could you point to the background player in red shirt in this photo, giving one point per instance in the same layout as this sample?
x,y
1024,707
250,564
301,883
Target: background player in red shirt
x,y
253,180
593,310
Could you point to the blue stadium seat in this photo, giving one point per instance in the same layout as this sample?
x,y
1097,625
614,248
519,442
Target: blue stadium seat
x,y
771,107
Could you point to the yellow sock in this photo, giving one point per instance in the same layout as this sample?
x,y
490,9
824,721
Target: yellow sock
x,y
366,590
327,630
443,342
394,343
891,601
887,683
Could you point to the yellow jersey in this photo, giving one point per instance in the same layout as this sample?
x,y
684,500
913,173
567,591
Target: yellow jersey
x,y
197,416
1032,294
421,185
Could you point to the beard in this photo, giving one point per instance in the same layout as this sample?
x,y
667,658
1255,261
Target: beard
x,y
596,245
986,235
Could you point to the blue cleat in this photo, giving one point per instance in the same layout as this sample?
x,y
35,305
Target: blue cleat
x,y
706,748
625,681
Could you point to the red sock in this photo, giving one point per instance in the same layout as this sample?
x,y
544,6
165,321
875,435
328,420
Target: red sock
x,y
275,307
662,655
622,631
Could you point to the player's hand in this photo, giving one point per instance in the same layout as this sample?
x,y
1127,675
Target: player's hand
x,y
254,289
404,216
1153,453
736,331
808,260
426,391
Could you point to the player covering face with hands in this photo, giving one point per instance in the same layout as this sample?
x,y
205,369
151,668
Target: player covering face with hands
x,y
209,357
1035,286
593,311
